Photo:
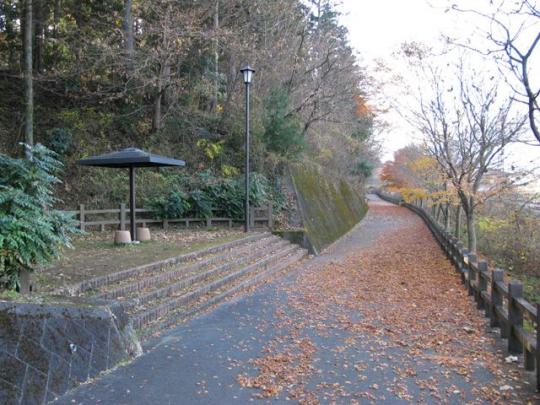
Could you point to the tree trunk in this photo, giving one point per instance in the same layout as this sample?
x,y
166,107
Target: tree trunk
x,y
438,216
128,30
78,16
156,123
457,231
216,59
56,16
471,231
471,228
165,85
447,217
38,35
11,37
28,81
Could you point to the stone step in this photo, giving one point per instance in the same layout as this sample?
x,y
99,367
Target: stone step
x,y
100,282
217,295
158,291
166,275
135,306
143,318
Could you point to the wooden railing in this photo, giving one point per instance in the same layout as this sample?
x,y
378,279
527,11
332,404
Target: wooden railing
x,y
502,301
119,217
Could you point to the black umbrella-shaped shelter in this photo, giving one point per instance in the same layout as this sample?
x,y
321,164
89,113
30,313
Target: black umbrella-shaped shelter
x,y
130,158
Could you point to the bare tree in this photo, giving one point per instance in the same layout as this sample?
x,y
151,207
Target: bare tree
x,y
515,45
466,129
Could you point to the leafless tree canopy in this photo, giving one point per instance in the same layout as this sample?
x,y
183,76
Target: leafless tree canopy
x,y
515,33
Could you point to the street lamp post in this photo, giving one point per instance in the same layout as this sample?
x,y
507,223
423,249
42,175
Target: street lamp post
x,y
247,71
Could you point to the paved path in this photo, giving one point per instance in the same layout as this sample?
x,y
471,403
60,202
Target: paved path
x,y
350,326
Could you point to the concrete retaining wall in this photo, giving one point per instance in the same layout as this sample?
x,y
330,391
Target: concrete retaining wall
x,y
51,344
329,204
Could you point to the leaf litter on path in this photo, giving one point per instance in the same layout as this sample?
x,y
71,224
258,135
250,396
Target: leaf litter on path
x,y
401,305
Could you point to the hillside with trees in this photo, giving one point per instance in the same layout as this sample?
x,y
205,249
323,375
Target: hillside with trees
x,y
84,78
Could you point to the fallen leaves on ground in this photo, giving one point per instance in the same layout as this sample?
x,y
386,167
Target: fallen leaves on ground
x,y
402,300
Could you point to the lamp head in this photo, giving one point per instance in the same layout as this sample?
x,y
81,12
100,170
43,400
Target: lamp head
x,y
247,71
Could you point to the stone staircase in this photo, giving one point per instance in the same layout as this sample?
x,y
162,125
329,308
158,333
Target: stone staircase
x,y
160,295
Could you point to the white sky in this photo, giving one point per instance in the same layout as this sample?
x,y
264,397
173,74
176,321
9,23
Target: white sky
x,y
376,30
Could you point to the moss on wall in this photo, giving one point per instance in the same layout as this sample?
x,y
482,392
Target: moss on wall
x,y
329,205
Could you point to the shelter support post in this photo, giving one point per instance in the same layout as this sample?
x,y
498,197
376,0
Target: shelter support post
x,y
132,203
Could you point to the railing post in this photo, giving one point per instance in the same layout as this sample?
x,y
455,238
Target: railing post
x,y
462,267
165,224
471,273
515,316
457,262
538,347
453,248
528,358
447,245
81,217
270,216
454,243
482,283
496,297
252,217
122,217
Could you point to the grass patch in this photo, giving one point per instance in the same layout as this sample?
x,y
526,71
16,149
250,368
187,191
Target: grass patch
x,y
9,295
95,254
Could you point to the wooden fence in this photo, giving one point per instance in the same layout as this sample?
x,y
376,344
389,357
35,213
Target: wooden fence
x,y
119,217
502,301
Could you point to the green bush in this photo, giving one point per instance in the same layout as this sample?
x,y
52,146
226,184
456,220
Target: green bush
x,y
32,232
211,196
201,204
175,205
227,197
61,140
259,189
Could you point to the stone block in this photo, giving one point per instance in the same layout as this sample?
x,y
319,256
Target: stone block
x,y
99,357
51,396
117,348
33,354
58,374
32,328
100,332
12,370
9,394
34,388
56,341
80,365
78,335
10,330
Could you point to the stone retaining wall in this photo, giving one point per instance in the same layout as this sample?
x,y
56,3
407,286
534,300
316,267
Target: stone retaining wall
x,y
49,345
